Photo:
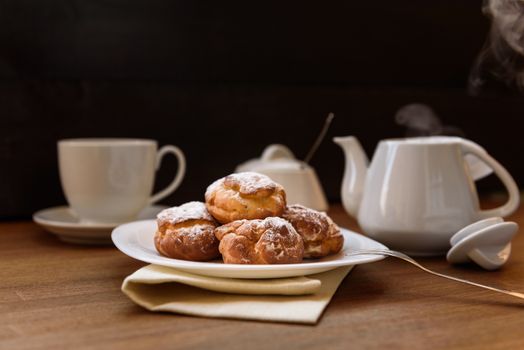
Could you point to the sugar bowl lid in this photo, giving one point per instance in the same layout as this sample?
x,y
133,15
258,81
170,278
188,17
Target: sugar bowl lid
x,y
486,242
275,157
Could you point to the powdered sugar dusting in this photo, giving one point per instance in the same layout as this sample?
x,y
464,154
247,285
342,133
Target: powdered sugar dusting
x,y
276,240
250,182
188,211
193,235
320,234
276,222
311,224
303,213
281,241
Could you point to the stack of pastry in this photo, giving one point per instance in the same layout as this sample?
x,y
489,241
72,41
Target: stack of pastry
x,y
245,220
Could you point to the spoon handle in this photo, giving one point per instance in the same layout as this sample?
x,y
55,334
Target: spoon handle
x,y
404,257
320,137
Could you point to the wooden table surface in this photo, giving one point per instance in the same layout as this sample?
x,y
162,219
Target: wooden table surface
x,y
55,295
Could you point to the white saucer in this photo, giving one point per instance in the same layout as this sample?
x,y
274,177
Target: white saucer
x,y
62,222
486,242
135,239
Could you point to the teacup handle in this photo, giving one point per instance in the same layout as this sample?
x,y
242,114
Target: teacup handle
x,y
179,175
514,196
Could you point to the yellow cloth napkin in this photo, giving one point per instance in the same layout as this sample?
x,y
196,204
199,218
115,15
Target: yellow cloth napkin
x,y
297,299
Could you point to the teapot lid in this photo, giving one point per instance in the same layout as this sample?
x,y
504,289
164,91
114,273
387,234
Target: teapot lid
x,y
276,157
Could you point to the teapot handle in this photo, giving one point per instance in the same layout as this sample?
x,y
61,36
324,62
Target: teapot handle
x,y
514,195
275,151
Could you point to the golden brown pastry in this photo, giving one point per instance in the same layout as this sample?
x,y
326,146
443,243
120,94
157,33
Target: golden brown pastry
x,y
245,195
269,241
187,232
320,234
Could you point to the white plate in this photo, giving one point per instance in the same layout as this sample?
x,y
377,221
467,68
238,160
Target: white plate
x,y
136,240
62,222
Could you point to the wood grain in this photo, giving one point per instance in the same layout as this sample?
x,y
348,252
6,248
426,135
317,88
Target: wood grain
x,y
61,296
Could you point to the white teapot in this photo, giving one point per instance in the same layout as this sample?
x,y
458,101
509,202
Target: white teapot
x,y
418,192
298,178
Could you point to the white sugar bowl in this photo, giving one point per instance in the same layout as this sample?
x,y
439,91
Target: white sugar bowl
x,y
298,178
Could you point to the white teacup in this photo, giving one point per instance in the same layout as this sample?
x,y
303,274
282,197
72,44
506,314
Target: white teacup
x,y
111,180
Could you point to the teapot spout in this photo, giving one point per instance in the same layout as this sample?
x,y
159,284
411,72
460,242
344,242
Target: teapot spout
x,y
355,172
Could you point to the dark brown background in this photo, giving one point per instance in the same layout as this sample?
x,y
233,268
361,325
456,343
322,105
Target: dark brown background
x,y
222,79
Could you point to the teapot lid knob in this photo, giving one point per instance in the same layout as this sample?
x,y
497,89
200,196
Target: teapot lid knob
x,y
276,151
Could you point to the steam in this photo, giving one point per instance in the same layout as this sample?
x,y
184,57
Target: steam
x,y
421,120
502,57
